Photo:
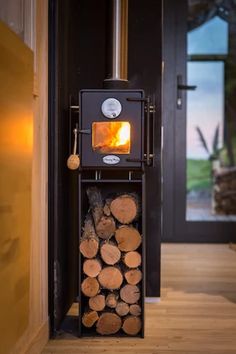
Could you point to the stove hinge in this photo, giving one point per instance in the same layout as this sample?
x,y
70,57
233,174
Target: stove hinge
x,y
150,110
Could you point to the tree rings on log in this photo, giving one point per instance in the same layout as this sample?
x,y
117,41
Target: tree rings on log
x,y
106,227
122,308
89,247
128,238
132,259
108,323
111,300
97,303
110,253
92,267
132,325
124,208
89,318
90,287
135,310
110,278
133,276
130,294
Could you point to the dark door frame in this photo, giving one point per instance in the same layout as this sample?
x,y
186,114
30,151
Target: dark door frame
x,y
175,226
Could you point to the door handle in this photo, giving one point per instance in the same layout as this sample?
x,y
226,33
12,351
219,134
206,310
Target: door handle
x,y
182,87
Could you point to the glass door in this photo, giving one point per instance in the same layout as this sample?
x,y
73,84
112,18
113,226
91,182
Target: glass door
x,y
200,122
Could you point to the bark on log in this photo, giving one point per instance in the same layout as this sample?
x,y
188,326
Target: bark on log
x,y
132,259
133,276
97,303
105,225
130,294
111,300
92,267
135,310
90,287
124,208
89,243
110,278
110,253
132,325
122,308
89,318
128,238
108,323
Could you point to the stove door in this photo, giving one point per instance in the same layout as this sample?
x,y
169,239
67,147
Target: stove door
x,y
111,128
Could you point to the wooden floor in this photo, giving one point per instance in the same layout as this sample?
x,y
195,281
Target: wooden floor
x,y
197,312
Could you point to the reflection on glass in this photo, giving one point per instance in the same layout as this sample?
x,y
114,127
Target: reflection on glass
x,y
211,114
111,137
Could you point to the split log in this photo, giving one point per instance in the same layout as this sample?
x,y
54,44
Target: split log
x,y
132,325
132,259
124,208
92,267
106,209
108,323
130,294
89,318
89,242
105,225
110,278
133,276
122,308
90,287
110,253
128,238
97,303
135,310
111,300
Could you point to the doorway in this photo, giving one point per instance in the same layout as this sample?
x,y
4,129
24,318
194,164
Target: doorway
x,y
199,154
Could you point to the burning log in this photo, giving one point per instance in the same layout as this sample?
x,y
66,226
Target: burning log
x,y
132,325
111,300
130,294
128,238
124,208
105,225
133,276
108,323
90,287
89,243
135,310
97,303
89,318
132,259
110,278
110,253
122,308
92,267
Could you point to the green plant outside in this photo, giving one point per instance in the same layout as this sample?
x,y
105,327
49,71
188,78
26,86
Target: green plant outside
x,y
198,174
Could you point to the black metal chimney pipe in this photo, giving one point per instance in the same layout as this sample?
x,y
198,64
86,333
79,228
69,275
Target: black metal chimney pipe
x,y
117,77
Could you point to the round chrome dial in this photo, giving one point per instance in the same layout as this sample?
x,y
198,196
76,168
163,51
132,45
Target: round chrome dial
x,y
111,108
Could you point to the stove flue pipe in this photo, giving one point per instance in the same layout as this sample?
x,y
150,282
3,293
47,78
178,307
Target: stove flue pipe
x,y
118,45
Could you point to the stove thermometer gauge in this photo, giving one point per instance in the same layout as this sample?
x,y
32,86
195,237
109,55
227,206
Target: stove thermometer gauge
x,y
111,108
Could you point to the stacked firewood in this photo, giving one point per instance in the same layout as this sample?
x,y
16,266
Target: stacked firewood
x,y
111,264
224,192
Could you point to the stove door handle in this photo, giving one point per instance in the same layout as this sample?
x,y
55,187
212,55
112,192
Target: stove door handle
x,y
84,131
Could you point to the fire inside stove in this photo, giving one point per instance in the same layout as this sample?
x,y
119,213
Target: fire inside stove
x,y
111,137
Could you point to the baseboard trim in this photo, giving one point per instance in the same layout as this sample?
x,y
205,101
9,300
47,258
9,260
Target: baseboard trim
x,y
152,300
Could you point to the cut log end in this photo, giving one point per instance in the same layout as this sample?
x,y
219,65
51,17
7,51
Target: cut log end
x,y
128,238
89,318
124,208
132,325
135,310
106,227
89,247
97,303
132,259
133,276
108,323
130,294
122,309
111,300
92,267
110,278
90,287
110,253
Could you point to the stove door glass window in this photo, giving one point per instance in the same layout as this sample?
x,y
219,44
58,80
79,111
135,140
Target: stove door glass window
x,y
111,137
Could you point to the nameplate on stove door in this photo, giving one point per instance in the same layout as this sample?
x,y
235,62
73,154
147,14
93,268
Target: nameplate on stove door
x,y
111,159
